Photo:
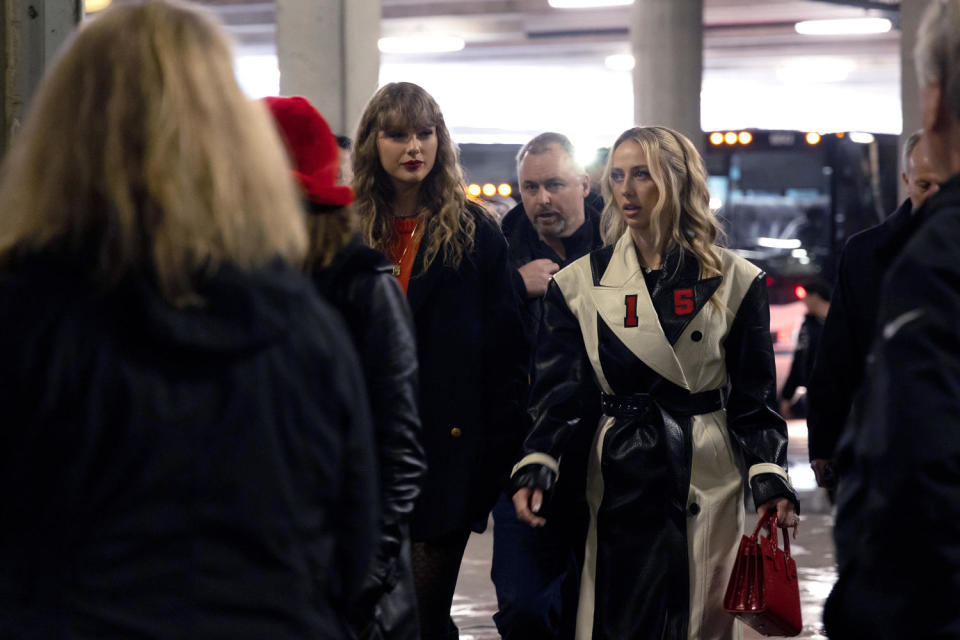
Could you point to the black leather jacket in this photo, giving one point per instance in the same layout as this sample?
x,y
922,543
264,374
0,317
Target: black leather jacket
x,y
360,285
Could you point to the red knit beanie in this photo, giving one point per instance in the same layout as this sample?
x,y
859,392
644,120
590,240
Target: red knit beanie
x,y
312,148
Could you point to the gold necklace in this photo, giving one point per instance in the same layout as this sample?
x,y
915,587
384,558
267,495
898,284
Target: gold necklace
x,y
396,265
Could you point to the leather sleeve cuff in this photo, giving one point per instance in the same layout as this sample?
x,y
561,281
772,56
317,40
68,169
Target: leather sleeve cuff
x,y
533,476
768,481
540,459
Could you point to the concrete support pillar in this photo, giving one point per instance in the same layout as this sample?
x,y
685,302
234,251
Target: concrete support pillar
x,y
667,41
327,52
31,33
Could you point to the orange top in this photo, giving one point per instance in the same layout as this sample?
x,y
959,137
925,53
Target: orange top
x,y
405,246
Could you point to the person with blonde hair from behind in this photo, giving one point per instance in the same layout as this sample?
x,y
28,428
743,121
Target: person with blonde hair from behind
x,y
186,450
451,259
672,332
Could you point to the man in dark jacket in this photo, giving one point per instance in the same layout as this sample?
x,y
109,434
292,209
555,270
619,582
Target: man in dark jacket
x,y
849,328
898,501
535,570
817,300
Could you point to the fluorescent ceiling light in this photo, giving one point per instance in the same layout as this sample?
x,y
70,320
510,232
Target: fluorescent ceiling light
x,y
862,137
843,27
815,70
779,243
588,4
620,62
421,44
92,6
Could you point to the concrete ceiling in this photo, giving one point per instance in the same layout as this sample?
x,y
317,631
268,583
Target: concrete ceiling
x,y
749,45
530,30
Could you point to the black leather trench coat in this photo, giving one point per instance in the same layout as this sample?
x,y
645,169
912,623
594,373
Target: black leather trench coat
x,y
361,286
686,385
473,380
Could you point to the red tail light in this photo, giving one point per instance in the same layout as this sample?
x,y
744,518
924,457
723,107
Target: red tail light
x,y
801,292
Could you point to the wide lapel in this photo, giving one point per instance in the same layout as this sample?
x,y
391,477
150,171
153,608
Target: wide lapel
x,y
422,284
622,280
680,294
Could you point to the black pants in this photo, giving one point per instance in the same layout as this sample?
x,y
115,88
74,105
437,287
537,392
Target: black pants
x,y
536,577
436,564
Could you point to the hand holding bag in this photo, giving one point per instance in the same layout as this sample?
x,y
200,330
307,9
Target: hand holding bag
x,y
763,590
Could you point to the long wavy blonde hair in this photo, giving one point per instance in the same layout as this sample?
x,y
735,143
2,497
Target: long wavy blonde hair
x,y
329,230
140,152
442,199
682,215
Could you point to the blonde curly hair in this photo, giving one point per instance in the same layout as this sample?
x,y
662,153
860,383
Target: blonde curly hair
x,y
682,216
141,151
442,200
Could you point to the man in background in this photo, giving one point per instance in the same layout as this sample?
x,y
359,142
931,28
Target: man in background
x,y
849,328
817,302
536,571
897,529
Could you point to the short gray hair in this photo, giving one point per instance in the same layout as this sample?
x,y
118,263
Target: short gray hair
x,y
543,142
937,53
908,148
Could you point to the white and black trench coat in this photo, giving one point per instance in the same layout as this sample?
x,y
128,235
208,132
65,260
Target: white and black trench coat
x,y
688,386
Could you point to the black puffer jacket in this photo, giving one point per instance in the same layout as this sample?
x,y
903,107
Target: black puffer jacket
x,y
179,473
359,283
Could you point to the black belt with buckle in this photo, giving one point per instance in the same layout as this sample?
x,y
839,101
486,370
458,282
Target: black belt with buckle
x,y
677,402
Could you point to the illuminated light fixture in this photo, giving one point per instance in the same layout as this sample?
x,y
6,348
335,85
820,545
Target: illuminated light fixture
x,y
92,6
843,27
769,281
715,203
779,243
840,134
813,137
716,138
588,4
505,190
862,137
620,62
745,137
730,137
801,292
815,70
798,253
489,190
473,190
421,44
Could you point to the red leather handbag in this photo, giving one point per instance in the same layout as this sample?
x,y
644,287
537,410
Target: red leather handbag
x,y
763,590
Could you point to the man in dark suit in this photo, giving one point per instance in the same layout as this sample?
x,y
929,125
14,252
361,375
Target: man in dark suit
x,y
849,328
535,571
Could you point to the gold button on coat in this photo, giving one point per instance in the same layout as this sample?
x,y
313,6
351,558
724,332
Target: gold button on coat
x,y
456,432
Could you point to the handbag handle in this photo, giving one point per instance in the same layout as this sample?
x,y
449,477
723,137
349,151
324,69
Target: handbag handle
x,y
771,517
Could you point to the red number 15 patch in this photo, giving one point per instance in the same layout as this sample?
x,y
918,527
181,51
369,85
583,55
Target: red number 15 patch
x,y
683,302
